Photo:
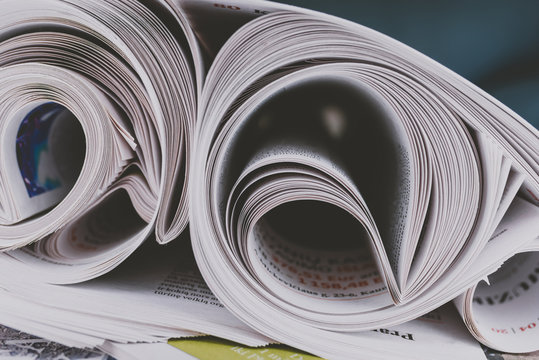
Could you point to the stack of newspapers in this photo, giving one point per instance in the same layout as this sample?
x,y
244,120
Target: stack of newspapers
x,y
261,173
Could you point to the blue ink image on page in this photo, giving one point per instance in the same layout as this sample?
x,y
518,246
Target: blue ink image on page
x,y
32,143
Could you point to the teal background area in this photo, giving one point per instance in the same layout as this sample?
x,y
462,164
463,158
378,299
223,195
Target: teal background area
x,y
494,43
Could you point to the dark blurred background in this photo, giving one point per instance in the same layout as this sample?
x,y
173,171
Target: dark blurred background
x,y
493,43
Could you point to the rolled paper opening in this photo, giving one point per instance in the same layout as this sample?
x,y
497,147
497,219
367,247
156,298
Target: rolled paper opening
x,y
318,249
50,148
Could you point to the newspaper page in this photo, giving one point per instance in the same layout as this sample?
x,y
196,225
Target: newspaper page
x,y
15,344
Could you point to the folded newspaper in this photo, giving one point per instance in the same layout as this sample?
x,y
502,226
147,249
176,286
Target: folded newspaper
x,y
337,184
